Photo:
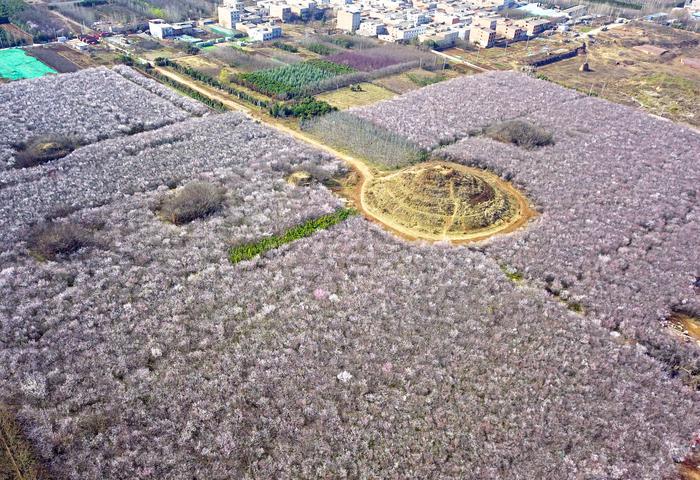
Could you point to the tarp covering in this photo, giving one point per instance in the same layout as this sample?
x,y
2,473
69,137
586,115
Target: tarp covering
x,y
15,64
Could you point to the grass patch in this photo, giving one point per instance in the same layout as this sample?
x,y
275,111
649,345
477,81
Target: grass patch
x,y
17,460
520,133
512,274
248,251
286,47
50,240
194,200
319,49
43,149
575,307
347,97
424,80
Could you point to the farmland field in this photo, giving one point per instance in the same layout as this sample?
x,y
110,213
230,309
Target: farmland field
x,y
370,59
241,60
660,85
413,79
64,113
292,79
577,236
201,63
58,57
347,98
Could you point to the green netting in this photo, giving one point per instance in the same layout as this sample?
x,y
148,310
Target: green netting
x,y
15,64
223,31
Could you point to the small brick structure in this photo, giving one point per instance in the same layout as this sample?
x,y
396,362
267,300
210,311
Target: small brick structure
x,y
650,50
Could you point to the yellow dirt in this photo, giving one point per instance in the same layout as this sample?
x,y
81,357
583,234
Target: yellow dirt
x,y
685,326
519,213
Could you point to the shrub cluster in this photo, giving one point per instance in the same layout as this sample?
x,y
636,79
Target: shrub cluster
x,y
303,109
319,48
52,239
193,201
42,149
520,133
285,46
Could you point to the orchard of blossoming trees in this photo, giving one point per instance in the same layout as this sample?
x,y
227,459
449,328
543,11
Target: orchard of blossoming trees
x,y
86,106
446,111
146,353
618,194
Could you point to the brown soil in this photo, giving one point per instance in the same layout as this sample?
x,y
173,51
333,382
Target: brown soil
x,y
685,325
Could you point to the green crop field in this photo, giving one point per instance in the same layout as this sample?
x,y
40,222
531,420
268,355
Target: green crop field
x,y
291,79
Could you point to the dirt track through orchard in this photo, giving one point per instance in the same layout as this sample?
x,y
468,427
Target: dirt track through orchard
x,y
367,174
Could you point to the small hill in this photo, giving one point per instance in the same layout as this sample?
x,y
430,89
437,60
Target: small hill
x,y
442,200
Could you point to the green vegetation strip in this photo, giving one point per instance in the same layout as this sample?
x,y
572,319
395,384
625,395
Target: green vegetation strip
x,y
182,88
619,3
306,229
195,74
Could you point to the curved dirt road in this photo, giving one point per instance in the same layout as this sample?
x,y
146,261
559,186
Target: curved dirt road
x,y
367,174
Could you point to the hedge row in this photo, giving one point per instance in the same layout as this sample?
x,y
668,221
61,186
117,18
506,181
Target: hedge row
x,y
248,251
211,81
190,92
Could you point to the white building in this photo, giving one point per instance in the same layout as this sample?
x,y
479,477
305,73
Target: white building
x,y
228,17
371,29
445,38
159,28
404,33
264,32
348,19
281,11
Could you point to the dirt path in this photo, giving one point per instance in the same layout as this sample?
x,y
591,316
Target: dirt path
x,y
82,28
366,173
455,208
460,60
